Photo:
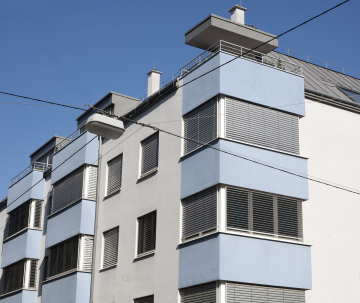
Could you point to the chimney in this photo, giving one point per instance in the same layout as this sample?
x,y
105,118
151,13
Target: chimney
x,y
238,14
153,81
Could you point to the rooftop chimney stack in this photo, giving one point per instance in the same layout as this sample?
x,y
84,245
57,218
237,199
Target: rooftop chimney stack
x,y
153,81
238,14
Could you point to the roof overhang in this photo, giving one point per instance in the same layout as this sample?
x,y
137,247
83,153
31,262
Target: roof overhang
x,y
215,28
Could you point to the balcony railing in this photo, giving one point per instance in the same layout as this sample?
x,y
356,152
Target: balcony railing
x,y
239,51
37,166
69,139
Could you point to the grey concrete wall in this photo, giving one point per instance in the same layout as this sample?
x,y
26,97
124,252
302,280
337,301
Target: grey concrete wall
x,y
158,273
24,245
87,155
20,193
77,219
245,259
246,80
330,139
208,167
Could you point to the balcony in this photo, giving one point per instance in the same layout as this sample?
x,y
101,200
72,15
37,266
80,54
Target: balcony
x,y
76,150
37,166
21,296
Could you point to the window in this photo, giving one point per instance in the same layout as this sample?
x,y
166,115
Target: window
x,y
3,204
114,175
261,126
355,96
146,233
149,155
80,184
20,275
27,215
148,299
199,213
200,126
111,243
245,293
264,213
69,256
204,293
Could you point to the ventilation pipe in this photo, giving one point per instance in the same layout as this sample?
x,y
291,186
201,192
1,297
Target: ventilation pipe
x,y
153,81
238,14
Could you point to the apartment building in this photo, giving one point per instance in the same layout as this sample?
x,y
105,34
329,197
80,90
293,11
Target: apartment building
x,y
240,200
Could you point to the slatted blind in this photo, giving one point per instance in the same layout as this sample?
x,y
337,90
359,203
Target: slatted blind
x,y
148,299
19,218
146,233
114,175
204,293
200,125
243,293
37,215
263,213
111,246
63,257
33,273
88,253
262,126
199,213
68,190
13,277
150,154
92,182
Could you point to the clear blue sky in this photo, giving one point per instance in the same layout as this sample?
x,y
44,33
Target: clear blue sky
x,y
74,52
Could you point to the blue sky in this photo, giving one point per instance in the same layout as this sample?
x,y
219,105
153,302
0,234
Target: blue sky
x,y
75,52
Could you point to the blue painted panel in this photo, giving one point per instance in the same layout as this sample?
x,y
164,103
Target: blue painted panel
x,y
20,193
25,245
245,80
262,84
203,89
259,261
74,288
199,261
77,219
208,167
87,155
246,260
24,296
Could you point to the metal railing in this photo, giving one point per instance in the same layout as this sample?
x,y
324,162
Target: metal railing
x,y
69,139
239,51
37,166
317,61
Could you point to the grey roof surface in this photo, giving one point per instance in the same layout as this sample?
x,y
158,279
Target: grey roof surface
x,y
323,79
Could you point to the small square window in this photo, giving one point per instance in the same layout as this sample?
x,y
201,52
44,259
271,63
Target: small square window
x,y
355,96
146,233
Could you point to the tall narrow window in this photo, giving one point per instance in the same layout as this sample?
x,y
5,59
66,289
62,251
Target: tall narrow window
x,y
114,175
149,154
200,126
264,213
199,213
111,244
204,293
146,233
148,299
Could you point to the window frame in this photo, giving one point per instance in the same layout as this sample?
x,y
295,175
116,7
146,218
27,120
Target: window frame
x,y
103,248
142,174
107,194
149,252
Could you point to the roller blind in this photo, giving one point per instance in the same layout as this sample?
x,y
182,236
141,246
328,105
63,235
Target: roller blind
x,y
261,126
111,243
199,213
200,125
114,175
204,293
37,216
88,242
13,277
92,182
19,219
263,213
148,299
146,233
63,257
244,293
150,154
33,273
68,190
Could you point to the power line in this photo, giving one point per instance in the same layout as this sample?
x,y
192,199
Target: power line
x,y
15,103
